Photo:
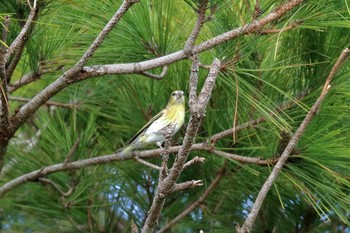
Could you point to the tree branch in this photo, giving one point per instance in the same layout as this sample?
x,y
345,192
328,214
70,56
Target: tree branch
x,y
289,27
48,103
129,68
194,205
30,77
165,187
193,161
248,224
18,44
104,159
151,165
197,28
56,186
72,151
156,76
103,34
70,76
245,159
187,185
193,83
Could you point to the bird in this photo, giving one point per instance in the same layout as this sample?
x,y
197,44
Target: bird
x,y
167,122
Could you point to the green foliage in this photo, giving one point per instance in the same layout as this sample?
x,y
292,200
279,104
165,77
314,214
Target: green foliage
x,y
260,72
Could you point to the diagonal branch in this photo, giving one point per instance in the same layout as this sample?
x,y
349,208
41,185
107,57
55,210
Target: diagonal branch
x,y
69,76
18,44
194,205
197,27
248,224
103,34
165,187
30,77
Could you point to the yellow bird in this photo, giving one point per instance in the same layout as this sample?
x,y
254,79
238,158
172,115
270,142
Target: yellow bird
x,y
170,119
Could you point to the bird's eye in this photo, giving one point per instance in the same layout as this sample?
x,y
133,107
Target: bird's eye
x,y
173,94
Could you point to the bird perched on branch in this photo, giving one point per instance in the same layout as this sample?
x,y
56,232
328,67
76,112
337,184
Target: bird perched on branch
x,y
166,123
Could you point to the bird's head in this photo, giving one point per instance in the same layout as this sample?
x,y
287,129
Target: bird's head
x,y
177,97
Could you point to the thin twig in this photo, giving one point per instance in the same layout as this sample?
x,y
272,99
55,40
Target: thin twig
x,y
194,205
30,5
248,224
187,185
194,161
289,27
57,187
245,159
48,103
257,10
156,76
72,151
151,165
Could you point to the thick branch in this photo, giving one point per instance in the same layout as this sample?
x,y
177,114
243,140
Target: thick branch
x,y
248,224
194,205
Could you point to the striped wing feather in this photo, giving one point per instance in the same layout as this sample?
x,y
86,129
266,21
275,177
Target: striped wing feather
x,y
144,128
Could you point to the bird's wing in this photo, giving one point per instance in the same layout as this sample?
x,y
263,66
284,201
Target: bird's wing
x,y
145,127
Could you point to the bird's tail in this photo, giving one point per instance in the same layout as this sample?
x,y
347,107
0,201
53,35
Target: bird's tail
x,y
126,149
